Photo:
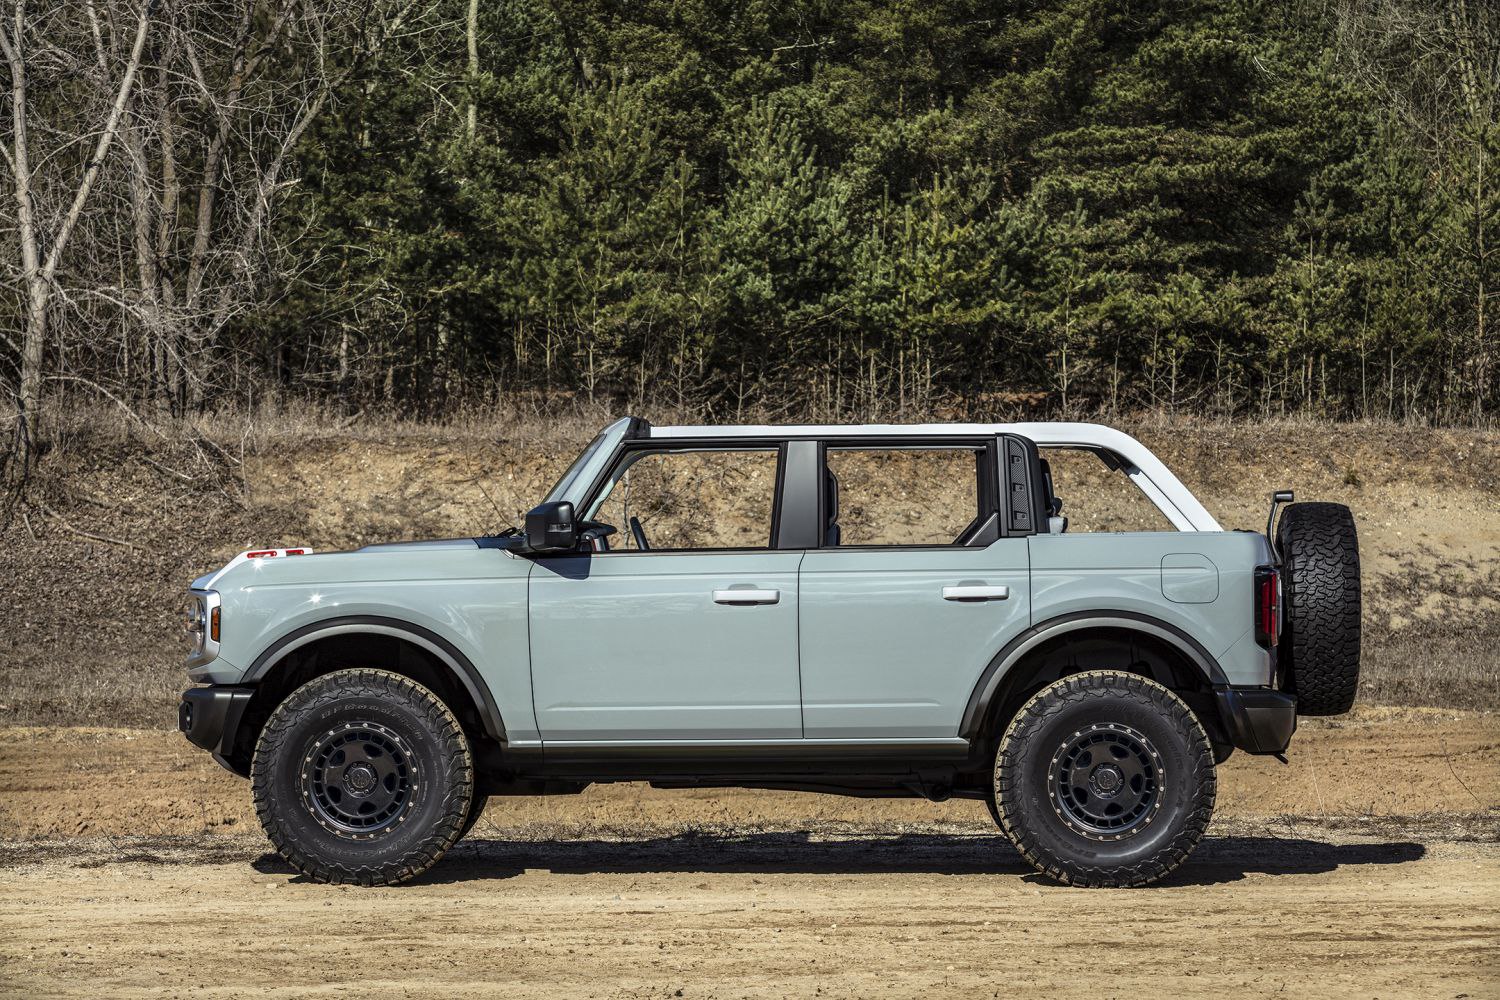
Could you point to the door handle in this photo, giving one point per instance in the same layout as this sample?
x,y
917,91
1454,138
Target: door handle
x,y
747,596
971,593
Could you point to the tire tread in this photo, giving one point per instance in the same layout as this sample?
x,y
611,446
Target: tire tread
x,y
381,685
1050,702
1320,643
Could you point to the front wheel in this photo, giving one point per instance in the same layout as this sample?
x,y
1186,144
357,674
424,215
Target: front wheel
x,y
1105,778
476,809
362,776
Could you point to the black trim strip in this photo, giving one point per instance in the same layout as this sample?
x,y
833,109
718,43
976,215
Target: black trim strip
x,y
801,514
749,762
760,751
994,674
478,691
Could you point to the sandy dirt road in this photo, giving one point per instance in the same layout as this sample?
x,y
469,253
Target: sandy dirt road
x,y
1304,913
1370,867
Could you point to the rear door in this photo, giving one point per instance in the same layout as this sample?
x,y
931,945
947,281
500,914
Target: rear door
x,y
912,592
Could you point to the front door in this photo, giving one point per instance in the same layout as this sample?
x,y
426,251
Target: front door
x,y
686,629
910,596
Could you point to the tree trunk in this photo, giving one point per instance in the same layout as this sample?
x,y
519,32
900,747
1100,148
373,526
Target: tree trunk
x,y
38,273
31,266
473,34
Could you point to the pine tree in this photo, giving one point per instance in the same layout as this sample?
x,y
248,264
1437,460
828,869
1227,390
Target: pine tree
x,y
779,235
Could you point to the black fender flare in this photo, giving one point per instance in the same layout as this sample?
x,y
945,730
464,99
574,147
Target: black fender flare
x,y
992,679
445,652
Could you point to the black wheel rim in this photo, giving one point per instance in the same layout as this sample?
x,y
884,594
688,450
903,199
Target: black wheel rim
x,y
359,780
1105,782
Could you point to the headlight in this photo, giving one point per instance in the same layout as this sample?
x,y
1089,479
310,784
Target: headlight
x,y
194,614
201,620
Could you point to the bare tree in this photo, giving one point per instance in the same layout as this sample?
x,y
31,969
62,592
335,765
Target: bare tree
x,y
43,228
150,147
252,85
471,34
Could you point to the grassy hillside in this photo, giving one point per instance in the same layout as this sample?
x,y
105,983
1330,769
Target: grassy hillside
x,y
92,571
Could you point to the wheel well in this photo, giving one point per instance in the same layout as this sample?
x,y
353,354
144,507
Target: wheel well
x,y
354,649
1100,648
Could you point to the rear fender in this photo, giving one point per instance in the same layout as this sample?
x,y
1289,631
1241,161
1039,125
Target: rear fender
x,y
992,682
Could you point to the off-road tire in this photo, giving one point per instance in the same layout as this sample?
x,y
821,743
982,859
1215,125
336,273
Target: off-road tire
x,y
993,806
1104,705
434,777
1319,649
476,809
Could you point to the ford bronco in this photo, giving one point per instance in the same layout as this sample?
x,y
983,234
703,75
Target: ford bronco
x,y
862,610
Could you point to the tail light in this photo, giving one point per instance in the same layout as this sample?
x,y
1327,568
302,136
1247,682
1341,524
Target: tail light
x,y
1267,605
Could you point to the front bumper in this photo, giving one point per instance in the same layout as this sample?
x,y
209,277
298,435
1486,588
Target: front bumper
x,y
1257,720
210,717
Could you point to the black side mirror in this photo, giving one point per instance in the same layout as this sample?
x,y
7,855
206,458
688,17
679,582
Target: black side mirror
x,y
550,527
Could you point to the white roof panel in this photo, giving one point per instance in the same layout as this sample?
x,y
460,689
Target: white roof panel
x,y
1148,472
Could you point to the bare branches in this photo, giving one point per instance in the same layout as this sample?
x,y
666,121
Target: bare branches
x,y
1433,64
9,159
156,139
98,37
471,32
38,271
106,136
81,533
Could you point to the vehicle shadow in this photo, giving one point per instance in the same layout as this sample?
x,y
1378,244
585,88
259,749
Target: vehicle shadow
x,y
1217,860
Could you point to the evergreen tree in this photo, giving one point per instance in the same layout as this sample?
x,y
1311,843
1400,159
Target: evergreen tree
x,y
779,234
1210,204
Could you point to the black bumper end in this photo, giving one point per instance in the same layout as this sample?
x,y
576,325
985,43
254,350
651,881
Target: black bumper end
x,y
1257,720
210,716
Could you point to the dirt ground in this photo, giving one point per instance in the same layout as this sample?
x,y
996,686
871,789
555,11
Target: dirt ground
x,y
1374,763
1264,911
1368,867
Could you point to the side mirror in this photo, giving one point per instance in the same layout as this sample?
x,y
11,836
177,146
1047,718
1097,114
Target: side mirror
x,y
550,527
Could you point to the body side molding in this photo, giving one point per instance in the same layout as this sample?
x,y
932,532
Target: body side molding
x,y
994,674
433,643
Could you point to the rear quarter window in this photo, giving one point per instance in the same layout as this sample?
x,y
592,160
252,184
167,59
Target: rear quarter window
x,y
1098,498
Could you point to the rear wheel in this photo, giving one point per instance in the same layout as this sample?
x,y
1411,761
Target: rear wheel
x,y
993,806
362,776
1105,778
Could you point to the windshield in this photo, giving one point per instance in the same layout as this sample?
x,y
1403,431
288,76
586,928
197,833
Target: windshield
x,y
586,465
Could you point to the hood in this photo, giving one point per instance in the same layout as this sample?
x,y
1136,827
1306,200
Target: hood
x,y
436,543
280,556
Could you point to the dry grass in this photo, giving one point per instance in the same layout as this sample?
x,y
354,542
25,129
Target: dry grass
x,y
126,512
1439,665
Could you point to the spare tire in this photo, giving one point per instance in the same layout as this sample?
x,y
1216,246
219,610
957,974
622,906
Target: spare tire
x,y
1319,647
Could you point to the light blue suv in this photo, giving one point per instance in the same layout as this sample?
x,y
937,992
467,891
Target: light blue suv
x,y
862,610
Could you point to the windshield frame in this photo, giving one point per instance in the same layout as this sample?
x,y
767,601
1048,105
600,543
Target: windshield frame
x,y
586,467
